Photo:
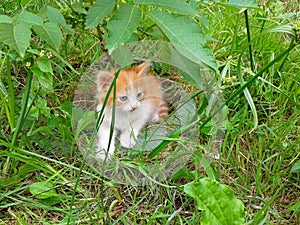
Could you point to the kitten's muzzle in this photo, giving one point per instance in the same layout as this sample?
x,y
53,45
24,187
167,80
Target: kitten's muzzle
x,y
133,107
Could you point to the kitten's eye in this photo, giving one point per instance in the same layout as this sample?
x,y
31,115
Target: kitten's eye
x,y
123,98
139,95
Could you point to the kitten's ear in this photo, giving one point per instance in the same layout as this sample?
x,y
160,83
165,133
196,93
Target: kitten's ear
x,y
104,80
143,68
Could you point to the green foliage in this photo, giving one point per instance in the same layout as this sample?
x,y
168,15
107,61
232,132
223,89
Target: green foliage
x,y
10,35
45,45
186,35
127,18
296,167
42,190
217,202
243,4
16,32
98,12
50,33
176,6
181,30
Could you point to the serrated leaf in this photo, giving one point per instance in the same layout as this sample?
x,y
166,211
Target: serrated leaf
x,y
98,11
121,26
29,18
55,16
296,167
217,202
42,190
174,5
5,19
243,4
50,33
16,36
44,65
186,35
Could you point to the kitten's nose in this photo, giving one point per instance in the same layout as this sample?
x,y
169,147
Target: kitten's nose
x,y
133,107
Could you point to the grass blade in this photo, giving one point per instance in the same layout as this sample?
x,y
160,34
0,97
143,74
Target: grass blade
x,y
247,95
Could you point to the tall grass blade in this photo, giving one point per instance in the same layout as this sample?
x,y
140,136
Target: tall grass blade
x,y
247,95
249,40
24,109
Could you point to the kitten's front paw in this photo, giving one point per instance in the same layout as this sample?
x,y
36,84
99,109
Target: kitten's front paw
x,y
104,156
127,142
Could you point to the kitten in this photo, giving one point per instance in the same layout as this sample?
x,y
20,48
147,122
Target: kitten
x,y
138,100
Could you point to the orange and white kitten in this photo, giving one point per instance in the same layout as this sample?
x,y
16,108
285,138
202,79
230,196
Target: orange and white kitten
x,y
139,99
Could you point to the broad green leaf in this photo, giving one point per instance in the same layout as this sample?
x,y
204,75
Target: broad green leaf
x,y
5,19
174,5
16,36
55,16
50,33
97,12
42,190
189,69
122,56
77,7
34,112
217,202
243,4
66,108
67,29
121,26
186,35
44,65
296,167
29,18
46,82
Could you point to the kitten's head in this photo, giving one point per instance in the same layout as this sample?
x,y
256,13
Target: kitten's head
x,y
135,87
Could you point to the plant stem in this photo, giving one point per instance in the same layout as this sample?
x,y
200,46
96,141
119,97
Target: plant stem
x,y
249,40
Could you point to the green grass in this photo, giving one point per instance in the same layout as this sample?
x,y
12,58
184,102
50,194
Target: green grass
x,y
37,143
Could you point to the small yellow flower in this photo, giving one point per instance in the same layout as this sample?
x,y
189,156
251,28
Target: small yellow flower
x,y
28,64
34,57
49,55
42,53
